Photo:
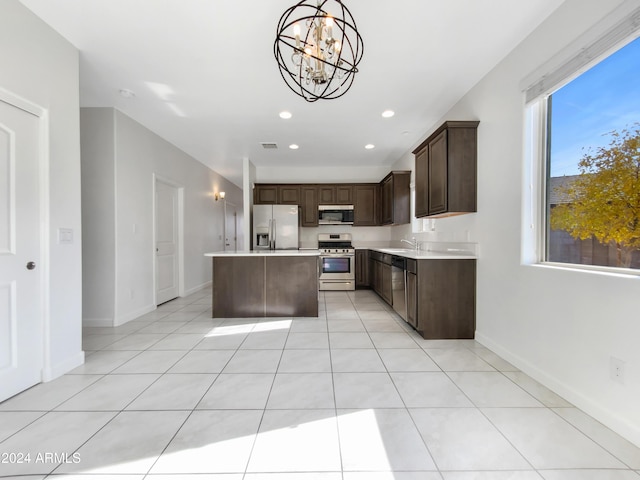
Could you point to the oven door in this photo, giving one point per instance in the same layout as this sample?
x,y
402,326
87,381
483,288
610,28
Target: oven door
x,y
337,272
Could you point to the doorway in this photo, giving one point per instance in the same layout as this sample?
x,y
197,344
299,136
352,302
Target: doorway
x,y
230,227
168,241
22,247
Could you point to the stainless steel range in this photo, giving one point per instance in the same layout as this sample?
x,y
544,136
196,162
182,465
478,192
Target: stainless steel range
x,y
337,261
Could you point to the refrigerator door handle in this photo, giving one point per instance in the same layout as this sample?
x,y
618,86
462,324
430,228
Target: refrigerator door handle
x,y
275,234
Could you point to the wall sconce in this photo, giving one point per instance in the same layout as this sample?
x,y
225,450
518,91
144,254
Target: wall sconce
x,y
218,196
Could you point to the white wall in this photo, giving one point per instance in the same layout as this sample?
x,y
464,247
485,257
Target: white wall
x,y
560,326
42,67
139,154
98,214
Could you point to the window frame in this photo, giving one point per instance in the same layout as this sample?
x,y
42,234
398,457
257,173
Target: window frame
x,y
589,50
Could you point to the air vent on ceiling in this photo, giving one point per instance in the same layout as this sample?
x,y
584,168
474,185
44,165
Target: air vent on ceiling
x,y
269,145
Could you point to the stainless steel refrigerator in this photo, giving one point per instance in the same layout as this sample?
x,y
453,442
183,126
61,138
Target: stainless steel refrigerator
x,y
275,227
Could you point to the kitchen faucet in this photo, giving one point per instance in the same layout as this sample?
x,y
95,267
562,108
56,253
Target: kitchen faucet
x,y
413,242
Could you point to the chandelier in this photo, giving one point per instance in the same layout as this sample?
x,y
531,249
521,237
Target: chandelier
x,y
318,52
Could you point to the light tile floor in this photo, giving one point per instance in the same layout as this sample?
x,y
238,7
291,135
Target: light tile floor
x,y
351,395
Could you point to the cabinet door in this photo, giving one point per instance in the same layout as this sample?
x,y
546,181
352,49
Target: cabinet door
x,y
437,176
365,205
412,298
401,202
386,211
386,285
309,206
326,194
344,194
265,195
362,268
372,272
421,206
446,298
289,194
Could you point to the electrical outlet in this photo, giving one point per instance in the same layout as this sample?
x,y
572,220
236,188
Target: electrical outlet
x,y
616,370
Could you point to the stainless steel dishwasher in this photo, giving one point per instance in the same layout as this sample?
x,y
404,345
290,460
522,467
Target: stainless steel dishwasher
x,y
399,285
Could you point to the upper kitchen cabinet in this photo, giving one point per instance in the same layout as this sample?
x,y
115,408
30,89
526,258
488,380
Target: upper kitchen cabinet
x,y
335,194
289,194
365,204
395,198
271,194
445,169
309,206
344,194
265,194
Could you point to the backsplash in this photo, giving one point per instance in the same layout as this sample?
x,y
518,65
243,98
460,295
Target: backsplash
x,y
362,237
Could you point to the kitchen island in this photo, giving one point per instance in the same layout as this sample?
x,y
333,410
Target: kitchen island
x,y
265,283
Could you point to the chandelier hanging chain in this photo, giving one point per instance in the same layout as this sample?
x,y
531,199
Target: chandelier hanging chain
x,y
316,63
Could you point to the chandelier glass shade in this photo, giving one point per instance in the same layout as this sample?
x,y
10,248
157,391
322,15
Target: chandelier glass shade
x,y
318,48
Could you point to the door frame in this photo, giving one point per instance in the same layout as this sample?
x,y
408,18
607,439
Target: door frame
x,y
230,206
6,96
180,247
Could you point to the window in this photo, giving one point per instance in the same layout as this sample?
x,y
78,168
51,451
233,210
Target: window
x,y
592,197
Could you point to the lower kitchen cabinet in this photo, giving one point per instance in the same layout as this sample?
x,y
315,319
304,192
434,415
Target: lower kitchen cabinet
x,y
446,298
259,285
441,294
362,268
412,291
381,275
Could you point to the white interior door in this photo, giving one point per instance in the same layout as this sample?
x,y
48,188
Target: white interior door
x,y
166,242
230,227
20,284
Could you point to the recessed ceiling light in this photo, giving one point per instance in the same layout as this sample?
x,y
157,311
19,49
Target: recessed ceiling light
x,y
369,146
388,113
293,146
286,115
126,93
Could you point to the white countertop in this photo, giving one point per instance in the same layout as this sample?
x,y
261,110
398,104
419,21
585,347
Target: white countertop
x,y
265,253
451,254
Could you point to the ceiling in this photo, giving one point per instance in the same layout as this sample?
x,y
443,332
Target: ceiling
x,y
205,78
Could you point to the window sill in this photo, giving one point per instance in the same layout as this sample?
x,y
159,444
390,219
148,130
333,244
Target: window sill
x,y
595,269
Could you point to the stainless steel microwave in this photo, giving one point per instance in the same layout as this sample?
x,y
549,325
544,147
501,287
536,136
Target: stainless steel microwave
x,y
335,214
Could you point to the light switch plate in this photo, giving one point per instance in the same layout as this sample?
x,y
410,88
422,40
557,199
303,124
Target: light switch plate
x,y
65,236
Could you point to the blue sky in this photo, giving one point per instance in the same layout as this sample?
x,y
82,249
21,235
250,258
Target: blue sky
x,y
605,98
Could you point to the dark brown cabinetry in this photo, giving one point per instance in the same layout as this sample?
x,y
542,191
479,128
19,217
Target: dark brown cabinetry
x,y
258,286
381,275
265,194
395,198
370,206
344,194
412,291
335,194
445,291
289,194
365,205
362,268
327,195
309,206
446,170
441,294
276,194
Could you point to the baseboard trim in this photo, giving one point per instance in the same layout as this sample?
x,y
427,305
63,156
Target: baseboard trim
x,y
55,371
198,288
127,317
97,322
605,416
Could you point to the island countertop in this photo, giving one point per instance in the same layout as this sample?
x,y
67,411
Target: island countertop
x,y
265,253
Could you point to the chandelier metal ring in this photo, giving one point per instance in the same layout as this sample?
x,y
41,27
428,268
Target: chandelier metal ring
x,y
318,52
